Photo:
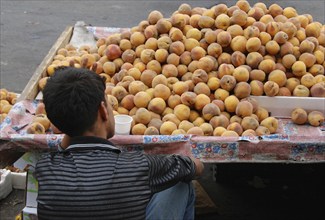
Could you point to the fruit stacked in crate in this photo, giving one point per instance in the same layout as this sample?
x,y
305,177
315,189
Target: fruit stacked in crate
x,y
194,72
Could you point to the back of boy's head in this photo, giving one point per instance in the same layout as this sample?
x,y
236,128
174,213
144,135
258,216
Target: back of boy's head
x,y
72,97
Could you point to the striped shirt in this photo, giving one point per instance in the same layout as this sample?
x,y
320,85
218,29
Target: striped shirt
x,y
92,179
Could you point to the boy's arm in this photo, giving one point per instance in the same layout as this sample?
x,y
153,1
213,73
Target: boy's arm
x,y
199,167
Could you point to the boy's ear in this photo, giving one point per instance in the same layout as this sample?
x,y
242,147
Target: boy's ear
x,y
103,111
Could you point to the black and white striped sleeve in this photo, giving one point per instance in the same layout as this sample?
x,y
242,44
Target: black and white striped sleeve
x,y
167,170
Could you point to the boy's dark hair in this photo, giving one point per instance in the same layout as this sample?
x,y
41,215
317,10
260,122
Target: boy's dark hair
x,y
72,97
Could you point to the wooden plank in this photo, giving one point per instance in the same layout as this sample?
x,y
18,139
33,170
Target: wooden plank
x,y
31,89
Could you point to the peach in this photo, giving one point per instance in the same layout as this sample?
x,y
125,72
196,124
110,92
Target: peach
x,y
162,91
238,58
242,90
171,117
35,128
199,75
284,91
241,74
238,43
151,131
210,110
249,133
169,70
157,105
267,65
271,88
228,82
235,118
292,83
278,76
261,113
272,47
206,22
213,83
301,90
235,30
308,80
249,123
218,131
262,130
207,129
315,118
200,101
225,69
127,102
195,131
238,17
231,103
271,123
202,88
142,116
182,112
112,52
188,98
256,74
185,125
316,69
236,127
299,116
155,122
318,90
138,129
244,108
40,118
119,92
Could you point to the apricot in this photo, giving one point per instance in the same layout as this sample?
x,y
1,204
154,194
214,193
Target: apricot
x,y
210,110
188,98
316,70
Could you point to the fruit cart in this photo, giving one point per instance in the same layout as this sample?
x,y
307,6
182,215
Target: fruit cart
x,y
288,143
